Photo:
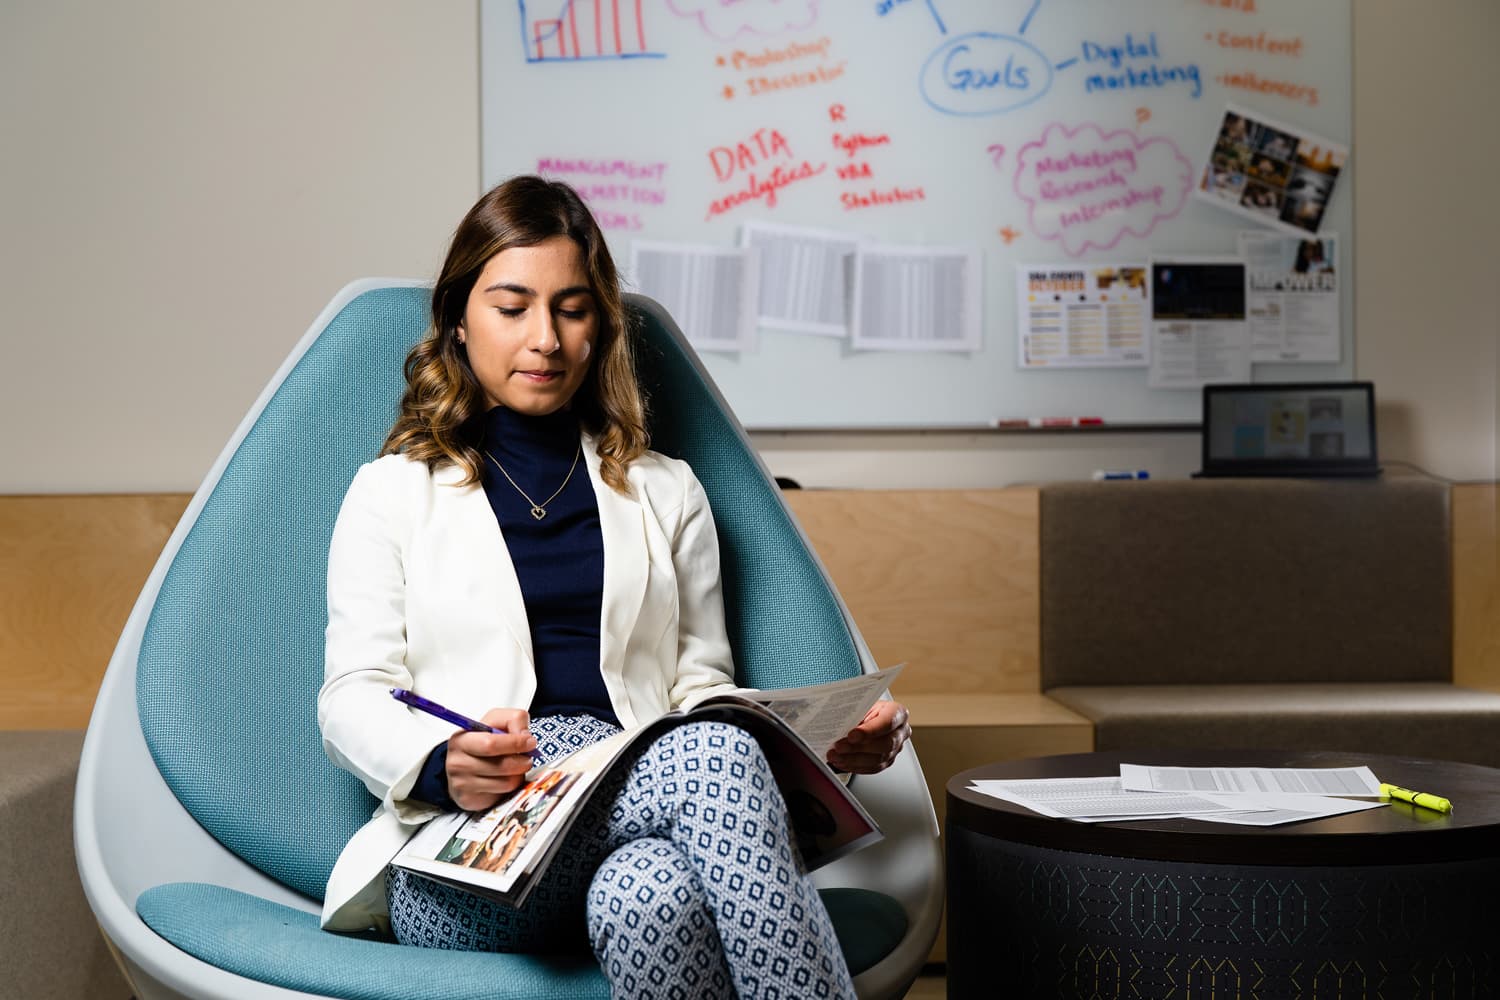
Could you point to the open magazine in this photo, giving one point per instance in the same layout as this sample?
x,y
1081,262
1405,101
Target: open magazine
x,y
502,852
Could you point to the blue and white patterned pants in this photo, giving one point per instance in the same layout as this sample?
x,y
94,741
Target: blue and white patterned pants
x,y
681,870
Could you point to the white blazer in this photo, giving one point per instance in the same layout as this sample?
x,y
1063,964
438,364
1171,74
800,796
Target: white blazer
x,y
422,594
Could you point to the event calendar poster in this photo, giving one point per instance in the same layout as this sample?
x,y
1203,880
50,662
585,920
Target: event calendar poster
x,y
1093,315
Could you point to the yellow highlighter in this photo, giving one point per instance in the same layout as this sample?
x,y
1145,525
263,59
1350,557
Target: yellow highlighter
x,y
1427,801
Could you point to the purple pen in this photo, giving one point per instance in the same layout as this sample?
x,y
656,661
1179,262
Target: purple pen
x,y
448,715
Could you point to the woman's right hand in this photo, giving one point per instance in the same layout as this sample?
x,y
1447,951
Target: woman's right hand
x,y
484,768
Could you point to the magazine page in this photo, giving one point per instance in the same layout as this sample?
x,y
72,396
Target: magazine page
x,y
821,714
495,852
500,852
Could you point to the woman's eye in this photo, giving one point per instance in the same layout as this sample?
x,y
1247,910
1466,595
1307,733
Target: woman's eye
x,y
573,314
511,312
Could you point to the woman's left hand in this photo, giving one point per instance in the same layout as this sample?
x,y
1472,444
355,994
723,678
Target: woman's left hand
x,y
872,745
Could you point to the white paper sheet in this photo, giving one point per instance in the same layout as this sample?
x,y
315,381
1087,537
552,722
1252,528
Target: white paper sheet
x,y
804,277
1094,799
709,290
1358,781
1250,796
1274,810
916,298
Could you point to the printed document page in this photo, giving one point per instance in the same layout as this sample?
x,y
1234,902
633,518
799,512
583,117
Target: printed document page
x,y
1273,810
804,277
710,291
1358,781
1094,799
1219,795
916,298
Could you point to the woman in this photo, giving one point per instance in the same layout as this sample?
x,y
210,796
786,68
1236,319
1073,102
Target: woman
x,y
517,551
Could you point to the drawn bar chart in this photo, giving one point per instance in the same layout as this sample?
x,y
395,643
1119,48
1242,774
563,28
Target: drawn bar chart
x,y
584,30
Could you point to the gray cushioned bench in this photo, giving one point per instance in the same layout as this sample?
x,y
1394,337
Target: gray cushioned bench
x,y
50,946
1261,613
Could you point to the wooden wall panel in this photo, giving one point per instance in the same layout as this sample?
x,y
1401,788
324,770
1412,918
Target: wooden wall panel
x,y
1476,585
942,580
953,733
70,570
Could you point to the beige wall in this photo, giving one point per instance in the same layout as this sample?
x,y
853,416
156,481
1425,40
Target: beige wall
x,y
1426,224
186,184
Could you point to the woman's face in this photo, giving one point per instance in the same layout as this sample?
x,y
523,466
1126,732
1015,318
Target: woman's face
x,y
530,326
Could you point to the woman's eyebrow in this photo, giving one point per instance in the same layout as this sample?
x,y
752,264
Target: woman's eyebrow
x,y
506,286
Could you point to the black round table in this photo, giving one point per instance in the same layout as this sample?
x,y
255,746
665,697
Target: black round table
x,y
1389,902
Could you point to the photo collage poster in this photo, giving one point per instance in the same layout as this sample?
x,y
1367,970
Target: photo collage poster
x,y
1275,174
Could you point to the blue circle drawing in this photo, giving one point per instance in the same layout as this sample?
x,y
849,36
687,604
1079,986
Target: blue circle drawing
x,y
983,73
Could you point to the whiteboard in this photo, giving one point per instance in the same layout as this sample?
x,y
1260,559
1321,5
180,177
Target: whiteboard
x,y
903,122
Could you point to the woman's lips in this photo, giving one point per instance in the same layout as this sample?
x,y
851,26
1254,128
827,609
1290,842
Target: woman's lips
x,y
540,376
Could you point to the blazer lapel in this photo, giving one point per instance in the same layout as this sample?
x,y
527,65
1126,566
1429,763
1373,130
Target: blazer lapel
x,y
478,544
622,525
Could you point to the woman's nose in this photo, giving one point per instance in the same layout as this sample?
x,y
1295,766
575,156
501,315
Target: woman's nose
x,y
544,338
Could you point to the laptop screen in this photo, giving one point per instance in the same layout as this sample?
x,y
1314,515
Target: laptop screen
x,y
1292,426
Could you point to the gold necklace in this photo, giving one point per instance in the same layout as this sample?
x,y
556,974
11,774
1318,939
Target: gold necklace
x,y
538,510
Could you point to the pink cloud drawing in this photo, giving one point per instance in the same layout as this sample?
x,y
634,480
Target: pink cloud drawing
x,y
727,19
1089,188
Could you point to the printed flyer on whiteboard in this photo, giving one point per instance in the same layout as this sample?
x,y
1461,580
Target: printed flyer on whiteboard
x,y
1198,322
1275,174
1294,297
1082,315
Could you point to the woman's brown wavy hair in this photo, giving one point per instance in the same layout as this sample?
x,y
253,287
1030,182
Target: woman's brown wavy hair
x,y
440,409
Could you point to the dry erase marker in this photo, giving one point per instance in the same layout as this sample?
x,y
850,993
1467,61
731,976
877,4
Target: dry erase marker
x,y
1424,799
448,715
1046,423
1121,474
1071,421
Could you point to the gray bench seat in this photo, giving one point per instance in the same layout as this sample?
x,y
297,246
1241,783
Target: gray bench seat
x,y
1438,721
50,947
1258,613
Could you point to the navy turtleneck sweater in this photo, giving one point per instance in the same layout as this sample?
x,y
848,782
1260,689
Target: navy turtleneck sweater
x,y
559,561
559,558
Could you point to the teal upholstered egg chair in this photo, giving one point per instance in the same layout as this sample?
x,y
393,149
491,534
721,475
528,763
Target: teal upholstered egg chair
x,y
207,816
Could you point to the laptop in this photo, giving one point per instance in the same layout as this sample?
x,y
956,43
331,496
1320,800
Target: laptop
x,y
1316,429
